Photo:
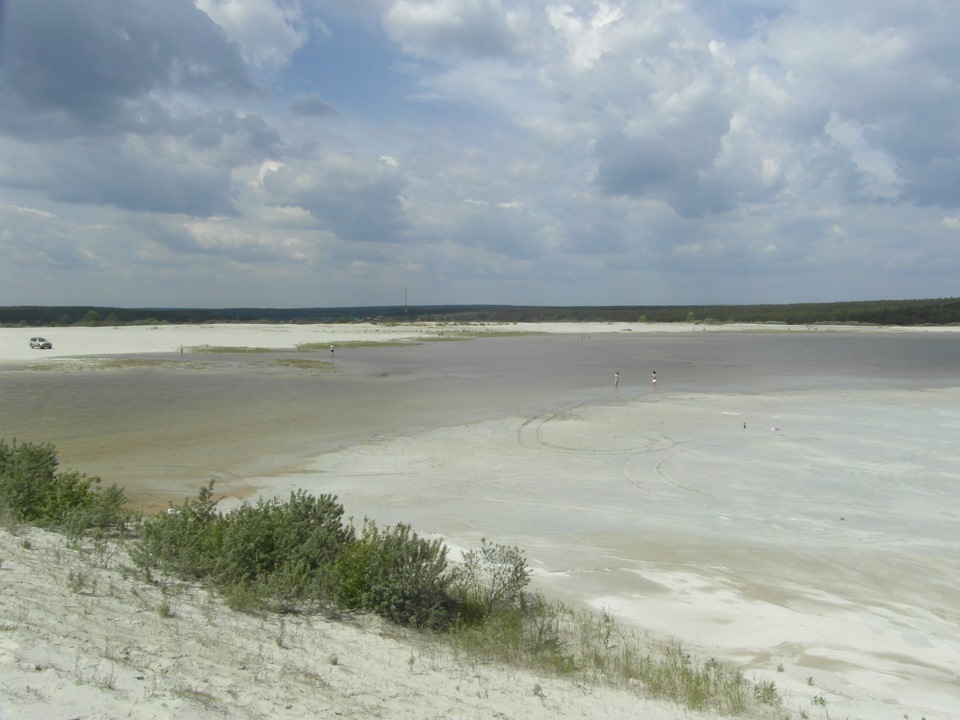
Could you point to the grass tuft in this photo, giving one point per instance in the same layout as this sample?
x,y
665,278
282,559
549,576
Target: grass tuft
x,y
584,647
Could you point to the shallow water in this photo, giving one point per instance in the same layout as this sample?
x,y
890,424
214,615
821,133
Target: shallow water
x,y
162,432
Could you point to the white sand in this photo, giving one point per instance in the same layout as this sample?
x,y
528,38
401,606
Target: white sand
x,y
80,641
749,544
83,341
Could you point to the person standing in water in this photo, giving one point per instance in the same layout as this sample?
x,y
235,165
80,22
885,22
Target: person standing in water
x,y
653,380
616,380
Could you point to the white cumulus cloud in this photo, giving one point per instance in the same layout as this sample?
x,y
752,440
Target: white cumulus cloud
x,y
268,31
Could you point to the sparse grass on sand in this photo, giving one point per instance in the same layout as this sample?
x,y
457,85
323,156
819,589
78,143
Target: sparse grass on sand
x,y
443,336
569,645
230,349
305,363
125,362
476,334
593,649
307,347
111,363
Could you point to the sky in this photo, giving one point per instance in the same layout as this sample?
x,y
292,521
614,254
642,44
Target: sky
x,y
341,153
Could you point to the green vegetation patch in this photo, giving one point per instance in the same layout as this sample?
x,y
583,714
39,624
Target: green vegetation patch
x,y
227,349
33,490
51,367
127,362
305,364
476,334
443,338
307,347
117,363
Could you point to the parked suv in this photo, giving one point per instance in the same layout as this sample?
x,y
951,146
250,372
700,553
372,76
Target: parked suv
x,y
41,343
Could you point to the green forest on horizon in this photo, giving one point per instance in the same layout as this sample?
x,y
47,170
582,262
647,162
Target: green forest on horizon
x,y
940,311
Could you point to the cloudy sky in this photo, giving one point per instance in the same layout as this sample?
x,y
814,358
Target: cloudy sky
x,y
299,153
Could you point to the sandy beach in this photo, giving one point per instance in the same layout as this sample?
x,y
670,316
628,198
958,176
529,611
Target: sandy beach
x,y
799,519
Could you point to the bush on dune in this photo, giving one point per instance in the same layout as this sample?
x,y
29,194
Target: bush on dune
x,y
32,490
395,573
274,555
491,579
296,553
184,541
282,549
277,554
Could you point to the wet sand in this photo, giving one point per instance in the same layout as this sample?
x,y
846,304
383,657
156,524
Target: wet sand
x,y
164,423
820,539
786,503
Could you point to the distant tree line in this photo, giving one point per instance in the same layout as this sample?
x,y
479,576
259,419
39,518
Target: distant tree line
x,y
938,311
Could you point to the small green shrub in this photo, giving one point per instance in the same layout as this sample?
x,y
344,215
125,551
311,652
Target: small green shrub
x,y
544,635
163,608
185,541
492,577
676,675
394,573
243,597
294,538
766,693
107,511
276,555
77,581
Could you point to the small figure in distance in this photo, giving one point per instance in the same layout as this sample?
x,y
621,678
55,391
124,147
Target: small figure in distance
x,y
616,380
653,380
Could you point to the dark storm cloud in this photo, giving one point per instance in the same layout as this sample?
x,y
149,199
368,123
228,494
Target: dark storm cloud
x,y
677,171
186,170
673,159
237,137
356,197
507,231
95,90
91,59
934,183
143,178
36,240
